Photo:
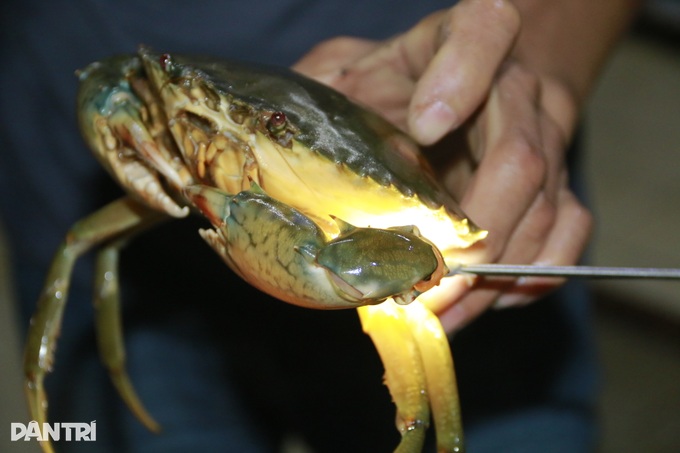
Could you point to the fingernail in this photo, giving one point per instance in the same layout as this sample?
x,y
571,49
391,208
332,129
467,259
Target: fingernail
x,y
327,78
515,297
433,122
521,293
510,300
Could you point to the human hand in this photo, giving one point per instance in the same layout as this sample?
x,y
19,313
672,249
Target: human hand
x,y
456,71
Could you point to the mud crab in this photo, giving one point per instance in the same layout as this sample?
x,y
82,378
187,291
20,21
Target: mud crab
x,y
306,193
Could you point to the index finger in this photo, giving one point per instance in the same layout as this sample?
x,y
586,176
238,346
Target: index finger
x,y
454,56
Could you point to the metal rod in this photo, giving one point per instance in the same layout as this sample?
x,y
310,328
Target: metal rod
x,y
517,270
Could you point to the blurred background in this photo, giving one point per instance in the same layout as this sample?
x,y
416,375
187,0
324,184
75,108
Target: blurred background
x,y
632,141
633,169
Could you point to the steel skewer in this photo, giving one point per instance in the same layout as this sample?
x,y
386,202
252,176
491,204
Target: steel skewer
x,y
535,270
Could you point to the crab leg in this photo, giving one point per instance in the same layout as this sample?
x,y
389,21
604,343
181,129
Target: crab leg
x,y
121,217
435,353
418,372
388,327
109,329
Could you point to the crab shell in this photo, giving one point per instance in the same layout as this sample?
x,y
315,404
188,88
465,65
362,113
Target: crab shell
x,y
331,157
226,125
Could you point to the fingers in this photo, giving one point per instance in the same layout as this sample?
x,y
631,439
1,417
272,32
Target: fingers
x,y
519,193
454,63
323,60
429,79
564,245
520,162
529,235
367,71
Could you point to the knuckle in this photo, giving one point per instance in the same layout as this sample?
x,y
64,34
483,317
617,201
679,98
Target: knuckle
x,y
528,79
582,217
519,79
539,222
335,45
343,42
545,213
527,160
504,13
510,14
500,18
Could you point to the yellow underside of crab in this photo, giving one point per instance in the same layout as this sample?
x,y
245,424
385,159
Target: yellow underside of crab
x,y
318,187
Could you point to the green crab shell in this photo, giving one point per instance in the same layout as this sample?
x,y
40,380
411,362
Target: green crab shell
x,y
341,160
327,121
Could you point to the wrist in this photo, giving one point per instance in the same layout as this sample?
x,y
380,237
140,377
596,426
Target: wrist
x,y
569,41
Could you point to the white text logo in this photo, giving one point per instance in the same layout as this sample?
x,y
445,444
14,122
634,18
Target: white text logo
x,y
54,431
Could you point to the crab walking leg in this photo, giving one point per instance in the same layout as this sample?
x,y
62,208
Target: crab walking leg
x,y
389,330
117,218
440,376
108,321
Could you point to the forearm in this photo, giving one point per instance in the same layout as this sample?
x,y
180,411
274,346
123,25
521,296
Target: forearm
x,y
570,39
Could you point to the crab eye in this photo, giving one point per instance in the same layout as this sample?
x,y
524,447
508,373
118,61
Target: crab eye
x,y
165,61
276,123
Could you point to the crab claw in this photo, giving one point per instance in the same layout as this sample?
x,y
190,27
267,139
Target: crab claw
x,y
118,120
375,264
